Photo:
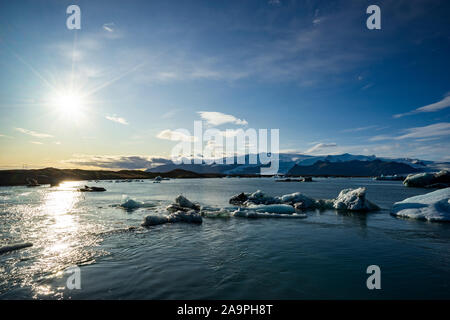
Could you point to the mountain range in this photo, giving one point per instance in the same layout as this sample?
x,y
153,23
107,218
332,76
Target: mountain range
x,y
299,164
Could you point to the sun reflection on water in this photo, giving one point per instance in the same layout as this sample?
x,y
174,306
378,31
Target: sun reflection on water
x,y
61,236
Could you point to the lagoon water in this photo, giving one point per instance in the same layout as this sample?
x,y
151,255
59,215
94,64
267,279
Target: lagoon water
x,y
323,256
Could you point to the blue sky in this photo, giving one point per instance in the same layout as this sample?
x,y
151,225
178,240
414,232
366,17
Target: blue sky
x,y
309,68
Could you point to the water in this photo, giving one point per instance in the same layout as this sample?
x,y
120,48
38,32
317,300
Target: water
x,y
324,256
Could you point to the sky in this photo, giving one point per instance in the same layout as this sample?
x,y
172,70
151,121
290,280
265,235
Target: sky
x,y
111,94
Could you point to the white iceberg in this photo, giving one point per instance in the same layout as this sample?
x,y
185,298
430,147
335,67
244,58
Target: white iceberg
x,y
131,204
433,206
353,200
303,201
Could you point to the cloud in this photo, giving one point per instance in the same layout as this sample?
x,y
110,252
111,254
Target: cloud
x,y
117,162
437,106
36,142
117,119
321,146
109,27
34,133
433,130
219,118
169,114
175,135
359,129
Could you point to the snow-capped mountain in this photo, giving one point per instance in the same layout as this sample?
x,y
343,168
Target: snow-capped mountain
x,y
287,161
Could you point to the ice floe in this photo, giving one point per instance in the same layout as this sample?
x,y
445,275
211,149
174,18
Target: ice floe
x,y
428,180
132,204
354,200
348,199
179,216
433,206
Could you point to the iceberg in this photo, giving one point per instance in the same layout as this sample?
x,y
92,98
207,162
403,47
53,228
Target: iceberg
x,y
353,200
153,220
303,201
185,203
181,216
433,206
348,199
439,179
131,204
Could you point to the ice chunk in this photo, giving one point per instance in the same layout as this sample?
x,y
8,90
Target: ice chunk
x,y
154,220
258,197
185,203
419,180
131,204
273,208
253,214
181,216
433,206
353,200
239,198
297,197
428,180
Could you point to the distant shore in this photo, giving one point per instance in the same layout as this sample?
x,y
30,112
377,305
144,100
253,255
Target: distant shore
x,y
53,176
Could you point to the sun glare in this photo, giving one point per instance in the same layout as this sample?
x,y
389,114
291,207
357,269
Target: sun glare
x,y
69,104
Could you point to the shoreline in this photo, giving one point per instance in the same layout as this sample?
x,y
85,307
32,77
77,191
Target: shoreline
x,y
53,176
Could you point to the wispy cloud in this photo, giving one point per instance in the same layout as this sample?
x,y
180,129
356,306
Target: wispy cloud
x,y
36,142
359,129
34,133
109,27
440,129
437,106
320,147
175,135
169,114
219,118
117,119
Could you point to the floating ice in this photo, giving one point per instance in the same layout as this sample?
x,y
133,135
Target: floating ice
x,y
185,203
179,216
14,247
273,208
153,220
433,206
428,180
247,213
348,199
353,200
294,198
131,204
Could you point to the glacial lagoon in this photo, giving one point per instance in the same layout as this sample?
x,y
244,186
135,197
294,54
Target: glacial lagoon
x,y
322,256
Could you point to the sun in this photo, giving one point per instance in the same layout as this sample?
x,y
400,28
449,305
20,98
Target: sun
x,y
69,104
